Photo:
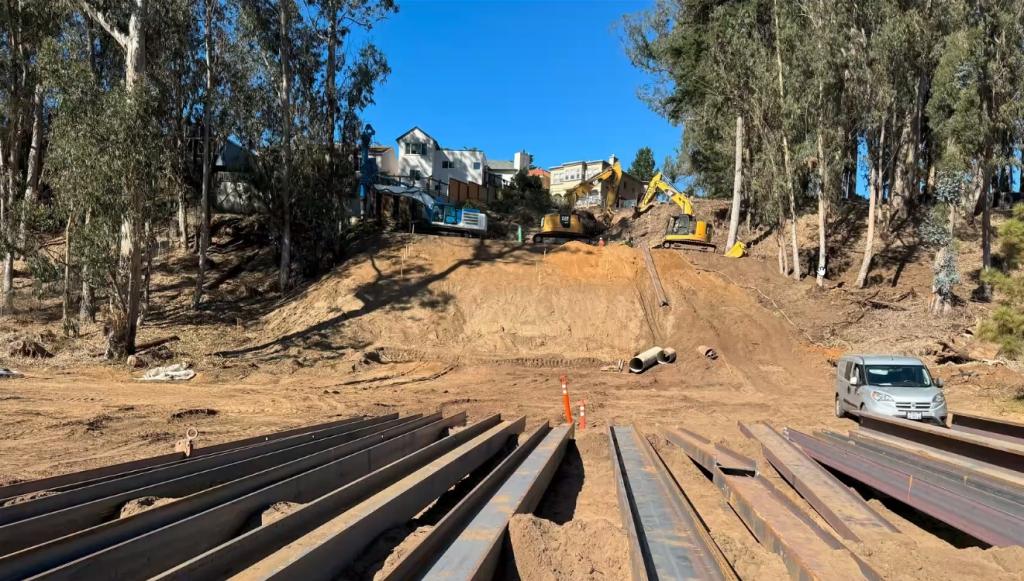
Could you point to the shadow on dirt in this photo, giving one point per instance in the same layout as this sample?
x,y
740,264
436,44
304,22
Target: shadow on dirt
x,y
559,501
395,291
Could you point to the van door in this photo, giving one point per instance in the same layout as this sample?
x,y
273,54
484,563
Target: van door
x,y
856,392
843,387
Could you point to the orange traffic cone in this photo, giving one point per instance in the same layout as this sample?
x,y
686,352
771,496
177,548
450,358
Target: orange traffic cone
x,y
565,399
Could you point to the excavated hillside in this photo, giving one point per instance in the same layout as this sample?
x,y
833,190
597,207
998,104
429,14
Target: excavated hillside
x,y
454,298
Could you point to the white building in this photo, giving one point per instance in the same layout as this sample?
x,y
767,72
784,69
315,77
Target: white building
x,y
569,175
423,162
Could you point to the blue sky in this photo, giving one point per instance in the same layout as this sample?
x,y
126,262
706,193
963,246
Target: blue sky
x,y
550,77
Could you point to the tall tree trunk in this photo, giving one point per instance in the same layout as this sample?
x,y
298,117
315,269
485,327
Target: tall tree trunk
x,y
67,319
874,192
86,307
787,164
35,164
330,86
11,187
204,219
985,186
124,325
822,209
737,186
286,136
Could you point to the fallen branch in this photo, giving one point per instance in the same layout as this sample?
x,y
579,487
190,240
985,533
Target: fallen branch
x,y
142,348
882,305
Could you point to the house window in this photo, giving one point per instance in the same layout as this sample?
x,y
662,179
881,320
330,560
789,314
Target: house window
x,y
447,164
415,174
476,165
415,148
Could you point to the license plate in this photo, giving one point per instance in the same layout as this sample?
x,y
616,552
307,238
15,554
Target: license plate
x,y
913,415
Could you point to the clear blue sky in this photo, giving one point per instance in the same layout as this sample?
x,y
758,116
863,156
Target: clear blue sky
x,y
550,77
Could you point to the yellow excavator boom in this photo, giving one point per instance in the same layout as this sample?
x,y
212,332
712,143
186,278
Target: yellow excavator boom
x,y
613,172
684,231
656,185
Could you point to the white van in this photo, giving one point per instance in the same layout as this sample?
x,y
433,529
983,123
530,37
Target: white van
x,y
888,385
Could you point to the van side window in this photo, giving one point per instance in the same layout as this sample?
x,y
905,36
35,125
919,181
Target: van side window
x,y
859,370
846,369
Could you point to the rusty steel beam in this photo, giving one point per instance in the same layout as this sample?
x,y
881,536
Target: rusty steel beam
x,y
990,450
108,487
808,550
206,544
73,480
960,472
710,456
326,551
466,543
841,508
667,538
988,427
63,521
985,521
159,538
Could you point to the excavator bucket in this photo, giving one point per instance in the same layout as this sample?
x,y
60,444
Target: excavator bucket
x,y
738,250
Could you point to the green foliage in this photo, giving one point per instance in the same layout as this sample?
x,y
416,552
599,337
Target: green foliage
x,y
524,199
642,167
1005,325
91,172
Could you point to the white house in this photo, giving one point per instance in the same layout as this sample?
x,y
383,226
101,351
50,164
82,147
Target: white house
x,y
384,155
423,162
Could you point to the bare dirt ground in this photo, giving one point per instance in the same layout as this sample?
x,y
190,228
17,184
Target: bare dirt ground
x,y
425,324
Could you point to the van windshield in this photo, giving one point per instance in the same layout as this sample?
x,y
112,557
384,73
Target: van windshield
x,y
899,375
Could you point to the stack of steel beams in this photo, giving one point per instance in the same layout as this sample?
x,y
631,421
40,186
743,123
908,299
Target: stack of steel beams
x,y
349,480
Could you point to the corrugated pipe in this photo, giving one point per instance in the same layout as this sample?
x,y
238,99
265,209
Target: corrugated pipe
x,y
643,361
667,355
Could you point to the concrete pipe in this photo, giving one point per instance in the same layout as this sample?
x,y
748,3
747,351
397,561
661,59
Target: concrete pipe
x,y
706,351
667,355
643,361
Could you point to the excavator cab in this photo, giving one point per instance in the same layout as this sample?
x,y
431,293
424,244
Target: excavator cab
x,y
685,231
567,225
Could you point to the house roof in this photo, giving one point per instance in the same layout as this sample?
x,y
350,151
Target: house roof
x,y
538,171
501,165
415,128
234,158
594,162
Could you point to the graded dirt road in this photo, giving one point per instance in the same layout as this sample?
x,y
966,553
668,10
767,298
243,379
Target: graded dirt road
x,y
455,325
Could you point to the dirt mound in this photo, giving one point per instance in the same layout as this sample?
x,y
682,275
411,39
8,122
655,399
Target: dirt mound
x,y
142,504
591,549
649,228
465,297
454,297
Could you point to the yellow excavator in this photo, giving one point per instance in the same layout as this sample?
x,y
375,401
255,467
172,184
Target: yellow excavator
x,y
685,231
562,227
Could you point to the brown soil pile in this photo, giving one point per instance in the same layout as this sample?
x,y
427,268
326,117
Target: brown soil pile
x,y
27,497
649,228
277,511
580,549
142,504
461,297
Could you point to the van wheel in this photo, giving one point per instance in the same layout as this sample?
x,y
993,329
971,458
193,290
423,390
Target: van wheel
x,y
839,408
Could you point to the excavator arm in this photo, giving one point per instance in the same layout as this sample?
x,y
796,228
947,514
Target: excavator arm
x,y
612,172
656,185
